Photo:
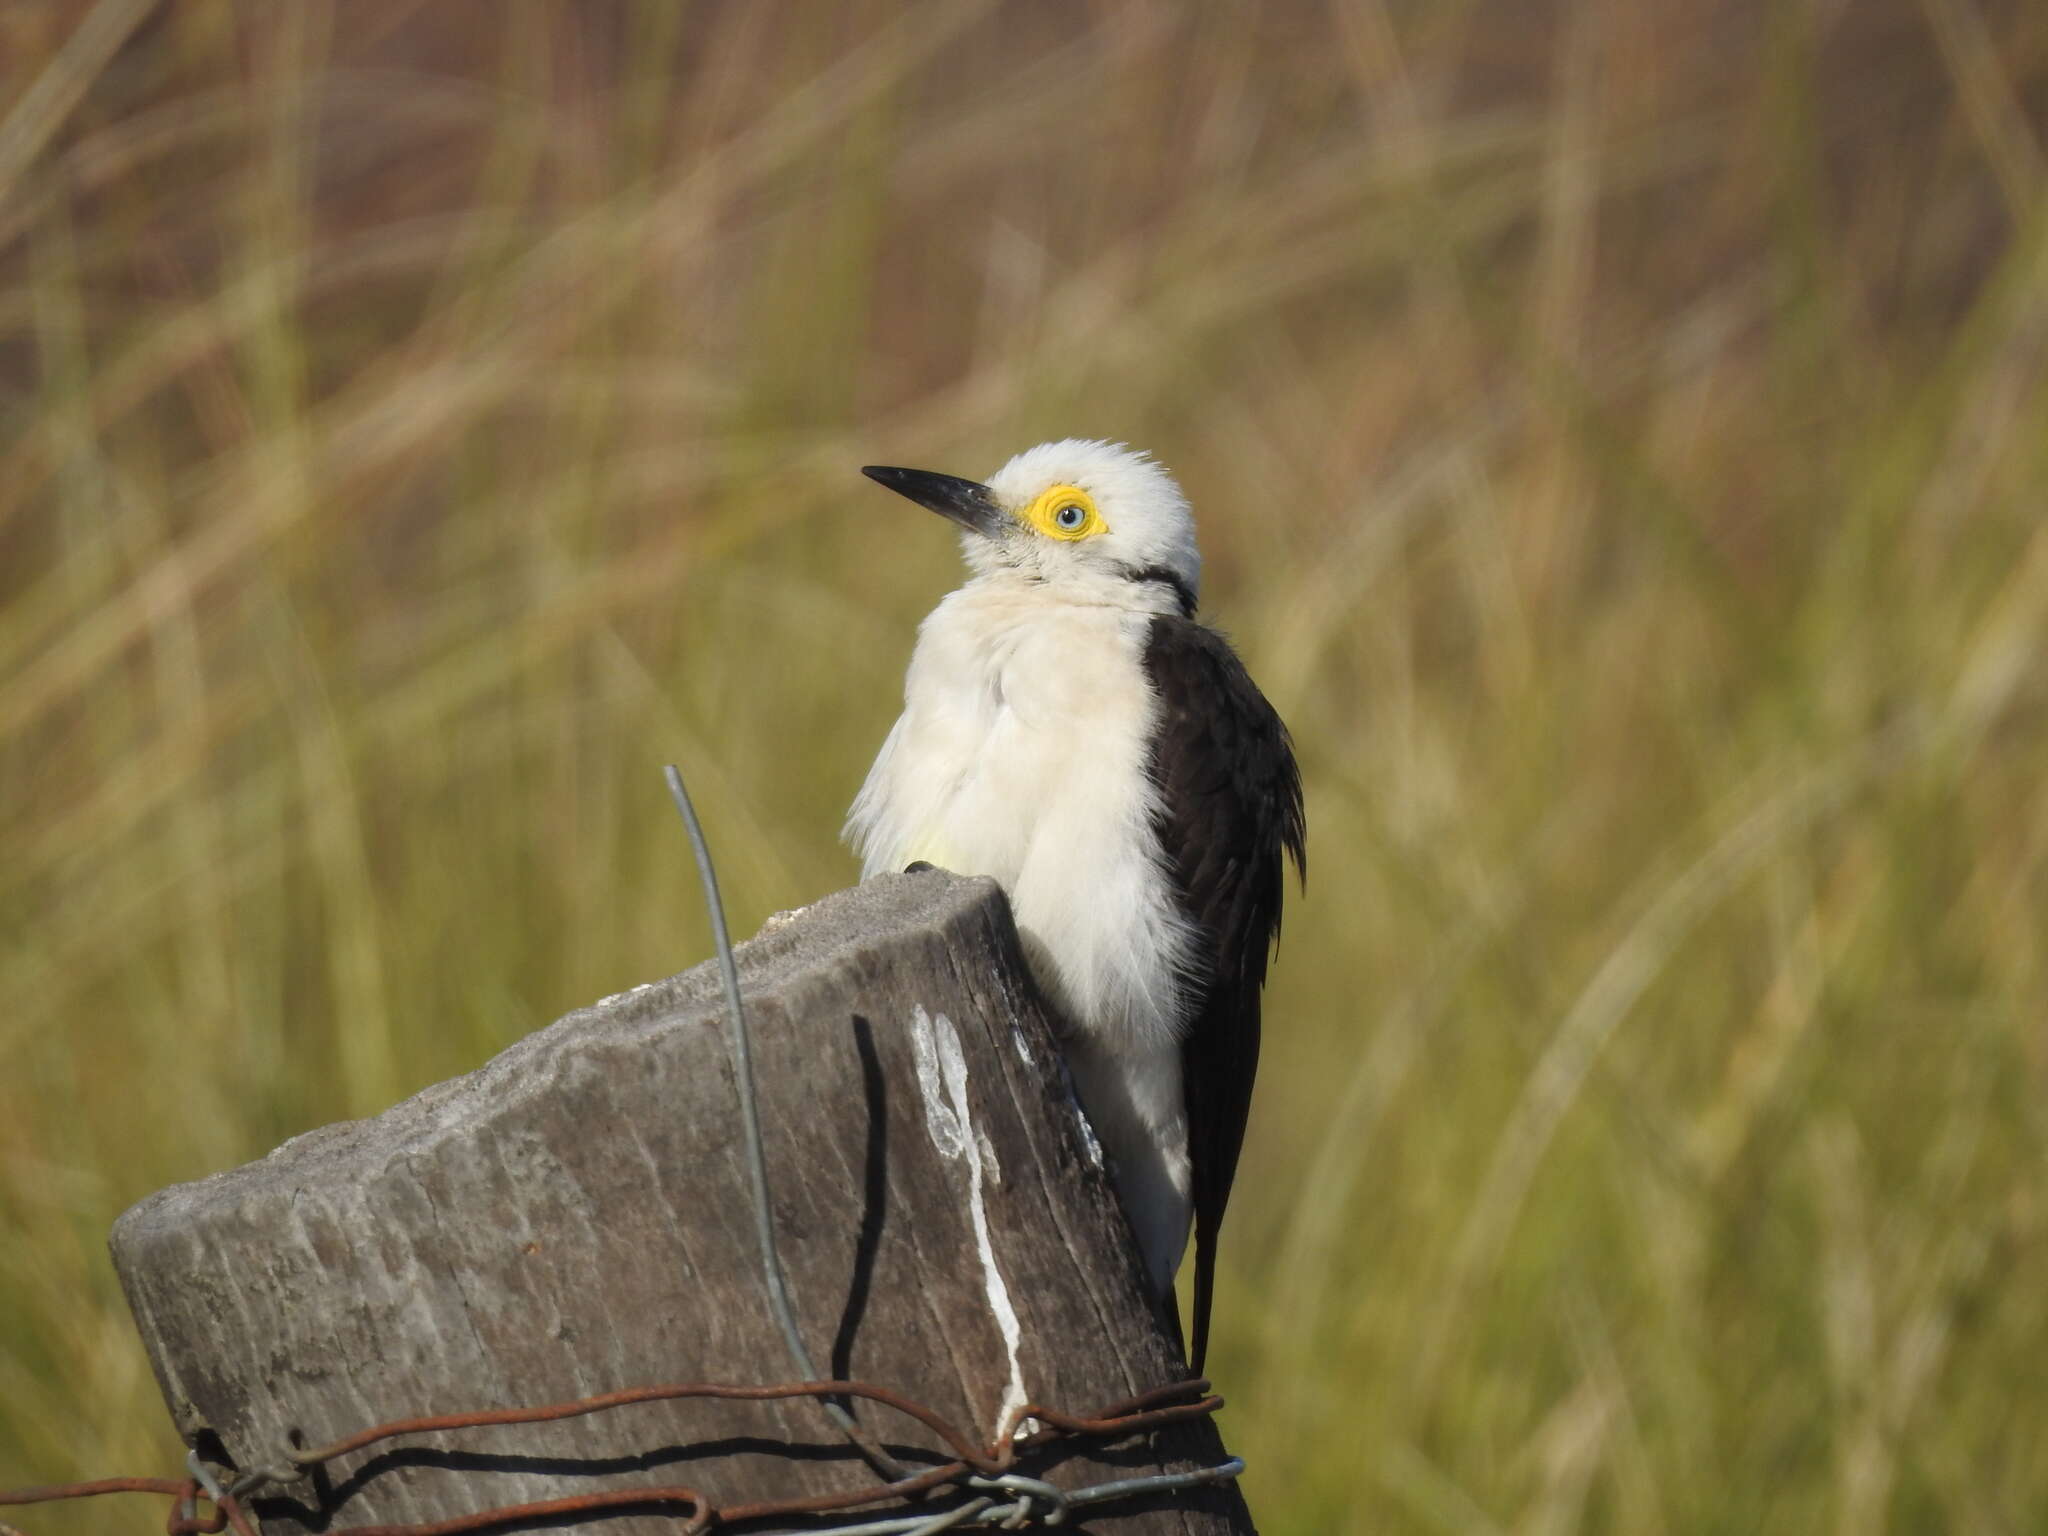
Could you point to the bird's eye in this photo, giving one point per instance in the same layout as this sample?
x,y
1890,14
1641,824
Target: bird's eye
x,y
1064,512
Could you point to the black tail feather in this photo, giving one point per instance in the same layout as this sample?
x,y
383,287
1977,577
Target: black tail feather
x,y
1205,1291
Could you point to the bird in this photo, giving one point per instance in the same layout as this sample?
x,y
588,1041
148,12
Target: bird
x,y
1071,728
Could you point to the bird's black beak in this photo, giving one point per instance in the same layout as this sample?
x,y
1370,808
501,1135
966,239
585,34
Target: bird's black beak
x,y
966,502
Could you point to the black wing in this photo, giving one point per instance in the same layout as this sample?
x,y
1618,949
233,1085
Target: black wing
x,y
1232,807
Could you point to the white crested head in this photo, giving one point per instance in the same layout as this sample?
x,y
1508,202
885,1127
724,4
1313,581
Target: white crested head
x,y
1134,521
1095,521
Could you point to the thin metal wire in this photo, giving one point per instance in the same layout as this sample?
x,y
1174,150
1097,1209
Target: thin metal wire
x,y
205,1480
227,1513
984,1512
1149,1410
978,1472
1165,1405
952,1518
772,1276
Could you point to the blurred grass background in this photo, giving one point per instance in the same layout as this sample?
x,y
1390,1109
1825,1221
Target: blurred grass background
x,y
1620,435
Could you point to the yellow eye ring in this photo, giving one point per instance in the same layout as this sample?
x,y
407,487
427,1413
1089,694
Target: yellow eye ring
x,y
1065,512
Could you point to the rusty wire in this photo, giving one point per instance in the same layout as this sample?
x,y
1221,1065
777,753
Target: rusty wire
x,y
183,1491
1149,1410
998,1494
978,1467
983,1470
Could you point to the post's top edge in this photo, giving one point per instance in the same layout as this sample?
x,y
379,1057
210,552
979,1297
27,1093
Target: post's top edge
x,y
791,949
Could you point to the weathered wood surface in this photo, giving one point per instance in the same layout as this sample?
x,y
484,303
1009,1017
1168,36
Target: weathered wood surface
x,y
573,1218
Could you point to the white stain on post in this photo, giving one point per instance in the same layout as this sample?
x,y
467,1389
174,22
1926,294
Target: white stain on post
x,y
942,1083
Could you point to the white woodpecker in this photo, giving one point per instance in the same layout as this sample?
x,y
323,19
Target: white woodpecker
x,y
1071,729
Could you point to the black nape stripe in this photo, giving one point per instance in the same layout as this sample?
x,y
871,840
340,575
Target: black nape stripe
x,y
1159,573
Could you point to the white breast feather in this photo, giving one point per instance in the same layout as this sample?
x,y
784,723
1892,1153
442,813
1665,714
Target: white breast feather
x,y
1021,754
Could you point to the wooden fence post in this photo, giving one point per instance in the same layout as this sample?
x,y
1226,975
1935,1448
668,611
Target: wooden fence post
x,y
573,1218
